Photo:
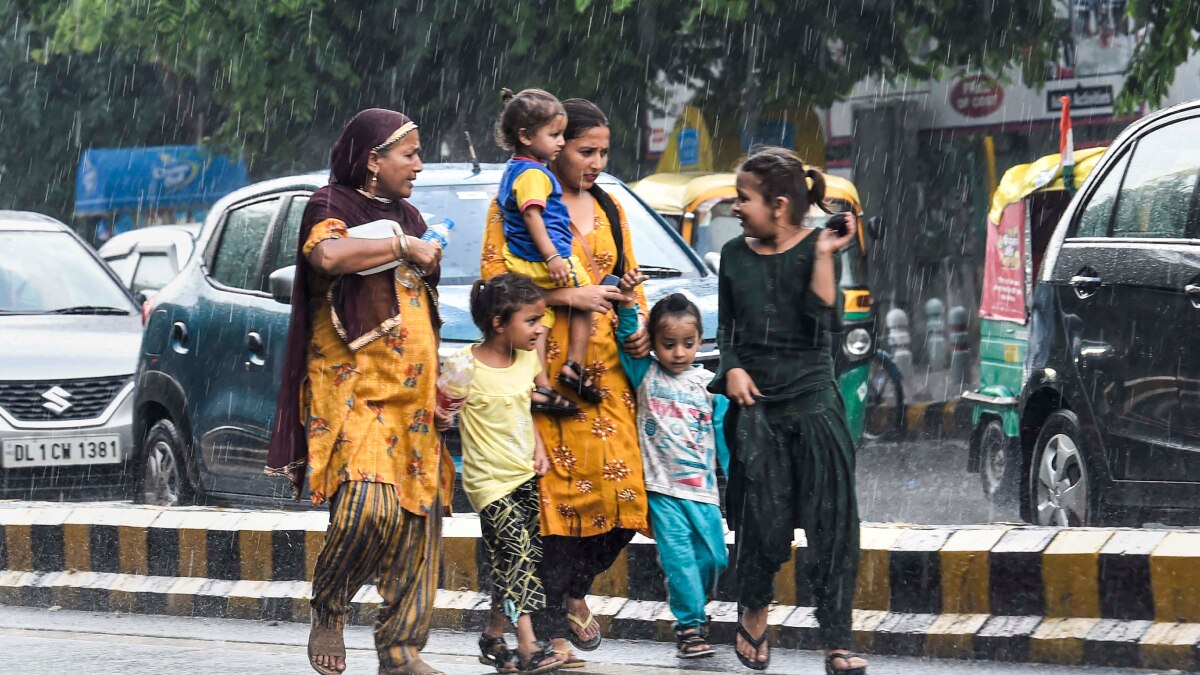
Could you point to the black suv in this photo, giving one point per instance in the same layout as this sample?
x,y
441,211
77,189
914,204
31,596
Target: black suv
x,y
1110,411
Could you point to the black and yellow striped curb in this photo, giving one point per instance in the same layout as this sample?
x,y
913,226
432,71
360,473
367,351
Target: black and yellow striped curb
x,y
1007,592
929,419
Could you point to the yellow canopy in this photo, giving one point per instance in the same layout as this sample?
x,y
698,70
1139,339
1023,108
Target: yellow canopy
x,y
1042,175
675,194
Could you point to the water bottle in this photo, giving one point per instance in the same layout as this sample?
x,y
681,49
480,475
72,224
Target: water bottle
x,y
454,381
438,231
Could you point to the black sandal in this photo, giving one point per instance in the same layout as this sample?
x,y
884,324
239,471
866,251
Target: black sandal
x,y
557,404
494,652
844,656
757,644
587,392
537,662
690,643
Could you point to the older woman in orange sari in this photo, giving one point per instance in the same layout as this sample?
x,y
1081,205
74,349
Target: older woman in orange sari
x,y
593,498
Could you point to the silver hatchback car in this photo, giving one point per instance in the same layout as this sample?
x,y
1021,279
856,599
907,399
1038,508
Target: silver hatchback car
x,y
69,337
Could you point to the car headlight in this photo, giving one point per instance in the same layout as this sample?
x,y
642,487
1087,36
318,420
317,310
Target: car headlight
x,y
857,342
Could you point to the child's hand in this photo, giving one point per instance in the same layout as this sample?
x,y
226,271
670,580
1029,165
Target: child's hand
x,y
632,279
560,272
830,242
541,461
442,419
740,387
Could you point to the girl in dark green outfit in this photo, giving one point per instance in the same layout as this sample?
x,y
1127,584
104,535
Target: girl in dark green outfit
x,y
792,452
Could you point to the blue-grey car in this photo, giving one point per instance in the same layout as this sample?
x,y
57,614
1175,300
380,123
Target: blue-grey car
x,y
212,355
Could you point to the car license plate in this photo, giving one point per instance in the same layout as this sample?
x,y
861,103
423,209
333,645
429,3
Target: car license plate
x,y
60,451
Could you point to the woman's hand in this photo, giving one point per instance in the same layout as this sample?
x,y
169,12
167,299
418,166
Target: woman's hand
x,y
638,344
830,242
740,387
423,254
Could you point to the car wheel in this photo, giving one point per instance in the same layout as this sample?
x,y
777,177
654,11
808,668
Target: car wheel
x,y
1060,484
998,466
162,476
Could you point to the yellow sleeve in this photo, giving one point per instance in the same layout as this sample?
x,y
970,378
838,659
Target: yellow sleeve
x,y
491,257
330,228
532,188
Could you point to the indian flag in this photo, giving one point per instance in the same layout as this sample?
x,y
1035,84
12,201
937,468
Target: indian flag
x,y
1066,146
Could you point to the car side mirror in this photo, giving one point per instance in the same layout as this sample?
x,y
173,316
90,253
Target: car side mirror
x,y
280,282
875,228
713,260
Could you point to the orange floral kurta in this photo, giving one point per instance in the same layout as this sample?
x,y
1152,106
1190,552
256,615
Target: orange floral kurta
x,y
595,481
369,413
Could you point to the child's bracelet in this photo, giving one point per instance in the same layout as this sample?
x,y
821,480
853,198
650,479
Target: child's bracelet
x,y
556,255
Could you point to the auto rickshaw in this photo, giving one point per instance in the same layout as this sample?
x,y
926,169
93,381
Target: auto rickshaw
x,y
1024,211
701,206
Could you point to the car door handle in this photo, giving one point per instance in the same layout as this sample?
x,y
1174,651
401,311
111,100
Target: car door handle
x,y
179,337
1085,284
255,350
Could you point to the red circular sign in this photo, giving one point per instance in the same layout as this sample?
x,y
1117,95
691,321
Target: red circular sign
x,y
976,96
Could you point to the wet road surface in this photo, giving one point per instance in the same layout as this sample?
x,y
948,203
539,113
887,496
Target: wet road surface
x,y
923,482
42,642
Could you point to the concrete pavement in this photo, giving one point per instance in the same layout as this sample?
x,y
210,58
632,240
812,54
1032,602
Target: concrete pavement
x,y
43,642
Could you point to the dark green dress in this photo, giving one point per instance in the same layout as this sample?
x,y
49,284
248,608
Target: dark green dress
x,y
792,454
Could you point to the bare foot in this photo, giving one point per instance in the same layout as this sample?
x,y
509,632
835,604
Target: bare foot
x,y
326,661
845,664
755,622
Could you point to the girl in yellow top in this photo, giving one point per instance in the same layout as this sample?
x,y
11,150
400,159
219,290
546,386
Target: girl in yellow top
x,y
502,456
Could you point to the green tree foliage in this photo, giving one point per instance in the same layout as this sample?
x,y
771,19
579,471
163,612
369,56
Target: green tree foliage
x,y
1169,37
51,110
272,81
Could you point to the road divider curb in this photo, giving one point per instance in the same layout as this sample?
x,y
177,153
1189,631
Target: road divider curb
x,y
1013,593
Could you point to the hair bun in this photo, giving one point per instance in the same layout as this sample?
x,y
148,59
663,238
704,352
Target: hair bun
x,y
506,95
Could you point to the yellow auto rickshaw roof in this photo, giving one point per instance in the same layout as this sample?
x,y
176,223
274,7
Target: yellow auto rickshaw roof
x,y
678,193
1042,175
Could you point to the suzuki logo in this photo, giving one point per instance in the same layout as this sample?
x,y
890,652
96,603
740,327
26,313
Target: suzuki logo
x,y
58,400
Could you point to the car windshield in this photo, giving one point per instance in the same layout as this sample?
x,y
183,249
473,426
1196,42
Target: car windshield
x,y
467,206
54,273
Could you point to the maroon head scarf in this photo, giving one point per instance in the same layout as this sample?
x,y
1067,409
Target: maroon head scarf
x,y
361,304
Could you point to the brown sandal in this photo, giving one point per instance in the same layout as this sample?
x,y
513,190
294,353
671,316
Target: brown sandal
x,y
325,642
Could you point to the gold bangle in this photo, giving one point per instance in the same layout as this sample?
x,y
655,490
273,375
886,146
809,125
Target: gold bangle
x,y
404,247
395,248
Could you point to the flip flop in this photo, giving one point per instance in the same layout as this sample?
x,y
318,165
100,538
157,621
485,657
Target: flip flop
x,y
844,656
590,645
587,392
324,642
757,644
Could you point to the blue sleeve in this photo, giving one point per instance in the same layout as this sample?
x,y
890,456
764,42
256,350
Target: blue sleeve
x,y
627,325
720,407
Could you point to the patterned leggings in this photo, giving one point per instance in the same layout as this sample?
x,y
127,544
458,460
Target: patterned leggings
x,y
371,538
512,535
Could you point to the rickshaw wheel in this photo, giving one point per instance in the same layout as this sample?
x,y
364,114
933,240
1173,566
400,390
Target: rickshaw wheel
x,y
885,418
998,467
